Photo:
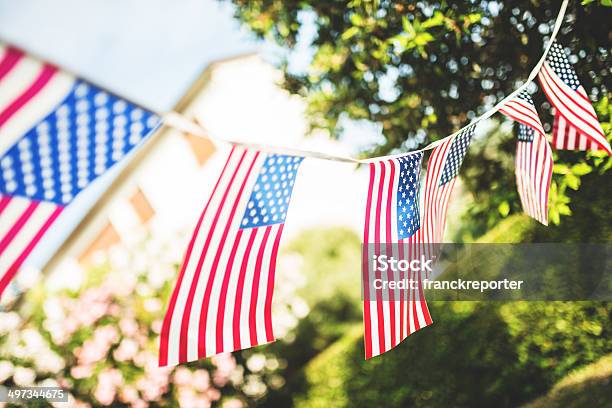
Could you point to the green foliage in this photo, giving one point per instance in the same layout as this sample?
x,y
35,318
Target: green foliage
x,y
586,387
512,230
426,69
472,356
569,173
578,185
99,342
331,263
443,58
475,354
553,338
325,325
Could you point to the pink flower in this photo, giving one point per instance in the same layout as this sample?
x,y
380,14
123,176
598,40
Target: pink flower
x,y
71,324
202,401
127,350
108,380
91,352
200,380
213,394
182,376
107,334
64,383
114,310
96,349
140,404
152,305
128,394
80,404
81,371
156,326
187,398
128,327
141,359
150,391
225,364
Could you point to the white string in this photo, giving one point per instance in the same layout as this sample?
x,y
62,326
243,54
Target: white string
x,y
180,122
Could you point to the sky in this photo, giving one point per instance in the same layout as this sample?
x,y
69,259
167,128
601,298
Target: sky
x,y
149,51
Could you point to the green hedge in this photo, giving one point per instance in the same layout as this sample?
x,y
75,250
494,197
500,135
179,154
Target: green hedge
x,y
587,387
475,354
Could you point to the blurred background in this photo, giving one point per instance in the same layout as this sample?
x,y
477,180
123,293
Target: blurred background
x,y
348,77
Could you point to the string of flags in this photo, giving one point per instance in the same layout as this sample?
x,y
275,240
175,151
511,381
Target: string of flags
x,y
59,133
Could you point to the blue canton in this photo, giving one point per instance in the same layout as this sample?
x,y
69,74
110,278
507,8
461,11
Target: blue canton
x,y
525,133
271,194
526,97
456,154
88,133
559,63
408,219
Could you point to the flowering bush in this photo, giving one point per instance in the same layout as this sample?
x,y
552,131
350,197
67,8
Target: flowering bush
x,y
100,340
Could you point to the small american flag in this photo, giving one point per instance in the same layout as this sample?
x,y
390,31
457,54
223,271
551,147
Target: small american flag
x,y
442,169
392,216
388,322
576,125
533,161
57,135
522,109
533,167
223,298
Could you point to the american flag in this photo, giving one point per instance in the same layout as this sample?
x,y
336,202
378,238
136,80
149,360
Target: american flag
x,y
576,126
393,192
223,298
533,168
522,109
391,218
442,169
57,135
533,161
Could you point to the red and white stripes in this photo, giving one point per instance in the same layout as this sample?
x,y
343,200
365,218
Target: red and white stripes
x,y
22,224
29,90
533,160
533,164
566,137
223,298
436,197
389,315
575,117
523,111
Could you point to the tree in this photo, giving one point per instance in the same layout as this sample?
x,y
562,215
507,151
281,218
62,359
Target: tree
x,y
425,69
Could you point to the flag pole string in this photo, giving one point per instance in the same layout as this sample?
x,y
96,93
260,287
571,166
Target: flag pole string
x,y
179,122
